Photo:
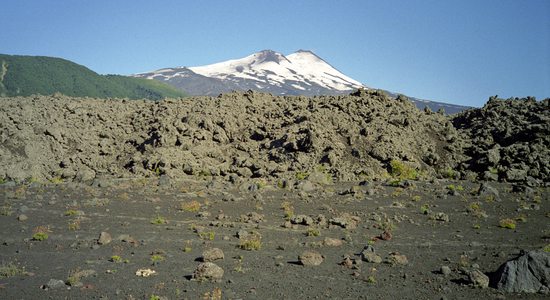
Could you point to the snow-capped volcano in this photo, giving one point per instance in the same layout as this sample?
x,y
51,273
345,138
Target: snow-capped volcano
x,y
300,73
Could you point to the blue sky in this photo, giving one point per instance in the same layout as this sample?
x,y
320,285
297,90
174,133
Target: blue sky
x,y
459,51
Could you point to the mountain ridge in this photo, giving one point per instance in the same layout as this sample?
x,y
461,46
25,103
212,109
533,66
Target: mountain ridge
x,y
302,73
23,75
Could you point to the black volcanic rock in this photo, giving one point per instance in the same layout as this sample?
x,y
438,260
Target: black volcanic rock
x,y
510,139
527,273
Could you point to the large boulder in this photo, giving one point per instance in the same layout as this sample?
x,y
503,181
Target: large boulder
x,y
527,273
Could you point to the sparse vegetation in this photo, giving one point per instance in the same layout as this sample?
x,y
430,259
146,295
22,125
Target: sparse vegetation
x,y
156,258
521,218
40,236
252,242
288,209
425,209
507,223
41,233
313,232
187,247
191,206
216,294
475,209
71,212
158,220
207,235
402,171
301,175
449,173
261,183
397,192
546,248
452,188
116,259
56,180
74,224
10,269
239,267
75,276
5,210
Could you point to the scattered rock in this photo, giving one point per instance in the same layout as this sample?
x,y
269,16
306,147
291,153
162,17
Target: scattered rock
x,y
305,186
370,257
208,271
478,279
347,262
331,242
310,258
145,272
488,192
242,234
385,236
54,284
445,270
302,220
22,217
440,216
252,217
527,273
104,238
397,259
345,221
212,254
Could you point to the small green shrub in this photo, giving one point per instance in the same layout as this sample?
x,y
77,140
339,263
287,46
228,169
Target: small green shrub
x,y
5,210
301,175
40,236
507,223
425,209
10,270
546,248
400,170
313,232
449,173
74,225
71,212
252,242
191,206
158,220
288,209
156,258
116,259
209,235
452,187
56,180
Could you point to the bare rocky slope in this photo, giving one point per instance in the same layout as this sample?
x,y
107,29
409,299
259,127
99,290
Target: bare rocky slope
x,y
253,135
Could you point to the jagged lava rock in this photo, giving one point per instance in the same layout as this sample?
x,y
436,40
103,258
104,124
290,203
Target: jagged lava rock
x,y
527,273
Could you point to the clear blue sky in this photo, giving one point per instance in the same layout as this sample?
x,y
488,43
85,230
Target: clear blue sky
x,y
459,51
